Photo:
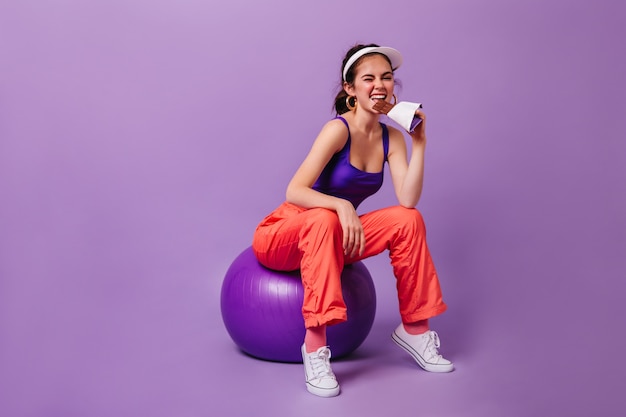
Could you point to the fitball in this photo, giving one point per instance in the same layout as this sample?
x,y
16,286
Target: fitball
x,y
262,310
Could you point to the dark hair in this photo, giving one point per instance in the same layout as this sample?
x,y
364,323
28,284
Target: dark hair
x,y
340,98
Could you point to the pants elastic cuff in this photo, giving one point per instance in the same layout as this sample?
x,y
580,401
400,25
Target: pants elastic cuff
x,y
327,319
424,314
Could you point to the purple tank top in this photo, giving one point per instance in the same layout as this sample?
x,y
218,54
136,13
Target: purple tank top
x,y
340,179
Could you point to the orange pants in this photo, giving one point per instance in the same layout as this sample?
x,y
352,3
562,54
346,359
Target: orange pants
x,y
311,240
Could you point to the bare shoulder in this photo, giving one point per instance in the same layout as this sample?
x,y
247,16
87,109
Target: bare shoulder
x,y
333,134
335,126
395,133
396,139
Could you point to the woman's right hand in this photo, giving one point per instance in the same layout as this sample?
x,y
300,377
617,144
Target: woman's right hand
x,y
353,234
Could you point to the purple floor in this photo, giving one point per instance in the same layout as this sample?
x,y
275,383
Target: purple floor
x,y
159,348
141,142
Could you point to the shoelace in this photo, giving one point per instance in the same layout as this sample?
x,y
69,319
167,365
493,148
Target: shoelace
x,y
433,344
320,364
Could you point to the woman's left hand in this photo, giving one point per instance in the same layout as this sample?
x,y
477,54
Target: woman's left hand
x,y
419,134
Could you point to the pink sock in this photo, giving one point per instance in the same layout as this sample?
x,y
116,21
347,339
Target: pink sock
x,y
419,327
314,338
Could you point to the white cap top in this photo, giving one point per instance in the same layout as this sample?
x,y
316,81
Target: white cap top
x,y
393,54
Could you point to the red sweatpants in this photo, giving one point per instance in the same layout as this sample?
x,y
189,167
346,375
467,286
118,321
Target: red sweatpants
x,y
311,240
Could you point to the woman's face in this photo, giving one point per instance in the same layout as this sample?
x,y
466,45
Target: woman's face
x,y
373,81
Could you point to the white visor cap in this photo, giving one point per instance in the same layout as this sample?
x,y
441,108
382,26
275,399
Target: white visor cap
x,y
393,54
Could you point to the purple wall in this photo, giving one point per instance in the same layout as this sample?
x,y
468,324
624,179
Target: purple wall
x,y
142,141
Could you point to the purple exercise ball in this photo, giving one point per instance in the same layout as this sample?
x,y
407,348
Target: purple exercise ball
x,y
262,310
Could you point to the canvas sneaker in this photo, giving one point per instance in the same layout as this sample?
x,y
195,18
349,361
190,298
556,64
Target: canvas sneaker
x,y
320,379
424,349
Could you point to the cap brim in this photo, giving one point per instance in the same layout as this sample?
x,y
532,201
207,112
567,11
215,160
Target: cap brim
x,y
395,57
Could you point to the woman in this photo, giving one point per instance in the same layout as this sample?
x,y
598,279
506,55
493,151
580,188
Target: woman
x,y
318,230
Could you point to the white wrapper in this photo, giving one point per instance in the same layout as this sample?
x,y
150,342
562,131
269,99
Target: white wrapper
x,y
403,113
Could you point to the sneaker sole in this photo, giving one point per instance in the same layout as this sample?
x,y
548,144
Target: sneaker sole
x,y
418,358
323,392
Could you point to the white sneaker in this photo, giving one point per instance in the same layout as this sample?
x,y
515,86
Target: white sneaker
x,y
423,348
320,379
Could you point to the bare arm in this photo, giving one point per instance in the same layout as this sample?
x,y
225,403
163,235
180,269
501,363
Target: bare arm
x,y
408,177
330,140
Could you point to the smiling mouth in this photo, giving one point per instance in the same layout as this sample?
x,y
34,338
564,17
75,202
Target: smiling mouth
x,y
377,97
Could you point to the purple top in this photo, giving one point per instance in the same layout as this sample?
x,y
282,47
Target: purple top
x,y
340,179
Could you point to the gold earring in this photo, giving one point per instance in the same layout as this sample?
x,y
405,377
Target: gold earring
x,y
348,105
395,99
